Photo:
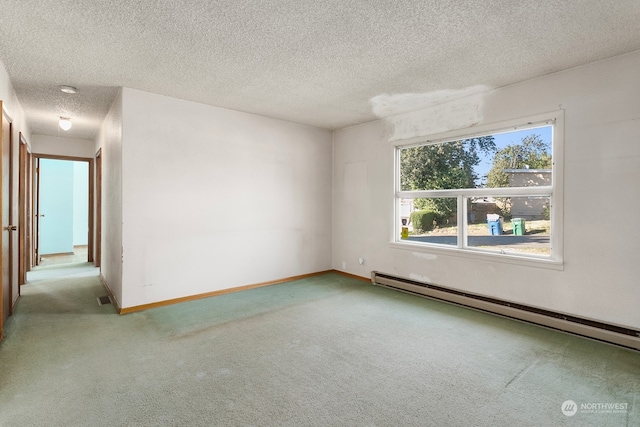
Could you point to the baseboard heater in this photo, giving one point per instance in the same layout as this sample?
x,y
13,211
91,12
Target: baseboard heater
x,y
588,328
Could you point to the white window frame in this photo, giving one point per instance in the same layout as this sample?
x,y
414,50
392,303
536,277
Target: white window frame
x,y
554,192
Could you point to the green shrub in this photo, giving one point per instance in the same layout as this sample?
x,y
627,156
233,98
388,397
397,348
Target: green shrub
x,y
422,220
546,213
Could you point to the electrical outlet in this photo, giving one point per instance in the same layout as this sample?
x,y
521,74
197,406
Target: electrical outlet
x,y
344,265
361,261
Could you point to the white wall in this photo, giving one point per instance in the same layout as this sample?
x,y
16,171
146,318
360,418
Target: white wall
x,y
601,203
12,106
110,141
60,146
215,199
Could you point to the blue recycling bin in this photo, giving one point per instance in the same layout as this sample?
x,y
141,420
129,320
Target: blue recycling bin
x,y
495,224
495,227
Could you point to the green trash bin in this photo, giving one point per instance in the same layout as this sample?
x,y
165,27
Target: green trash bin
x,y
518,226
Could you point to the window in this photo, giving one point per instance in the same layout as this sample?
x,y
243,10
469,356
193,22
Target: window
x,y
493,192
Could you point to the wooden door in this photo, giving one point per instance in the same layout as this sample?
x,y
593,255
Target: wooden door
x,y
6,296
12,225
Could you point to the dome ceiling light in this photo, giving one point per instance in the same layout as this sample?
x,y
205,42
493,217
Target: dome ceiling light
x,y
68,89
64,123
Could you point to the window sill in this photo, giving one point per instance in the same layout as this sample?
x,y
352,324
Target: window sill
x,y
524,261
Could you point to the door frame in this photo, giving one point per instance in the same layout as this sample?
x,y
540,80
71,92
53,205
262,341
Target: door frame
x,y
36,195
25,205
35,219
97,256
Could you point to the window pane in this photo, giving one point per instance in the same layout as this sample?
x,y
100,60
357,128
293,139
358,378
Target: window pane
x,y
429,220
521,159
448,165
510,225
512,159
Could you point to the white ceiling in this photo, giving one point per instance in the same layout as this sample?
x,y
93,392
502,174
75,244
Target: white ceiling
x,y
327,63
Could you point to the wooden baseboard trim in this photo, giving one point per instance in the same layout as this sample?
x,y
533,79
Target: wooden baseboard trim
x,y
114,300
143,307
353,276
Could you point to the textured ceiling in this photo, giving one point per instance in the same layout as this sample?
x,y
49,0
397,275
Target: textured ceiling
x,y
318,62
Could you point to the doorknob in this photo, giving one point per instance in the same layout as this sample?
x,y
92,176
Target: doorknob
x,y
11,228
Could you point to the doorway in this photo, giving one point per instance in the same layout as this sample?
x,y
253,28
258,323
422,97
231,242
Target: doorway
x,y
63,204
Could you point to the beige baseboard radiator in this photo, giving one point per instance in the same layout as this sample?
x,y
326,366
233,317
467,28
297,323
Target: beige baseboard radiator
x,y
588,328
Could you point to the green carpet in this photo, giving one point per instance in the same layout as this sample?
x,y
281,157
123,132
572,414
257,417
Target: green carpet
x,y
324,351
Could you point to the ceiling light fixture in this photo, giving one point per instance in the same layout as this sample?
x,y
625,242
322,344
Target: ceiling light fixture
x,y
64,123
68,89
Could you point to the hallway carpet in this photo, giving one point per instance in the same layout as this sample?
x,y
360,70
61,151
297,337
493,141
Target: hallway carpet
x,y
79,255
324,351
